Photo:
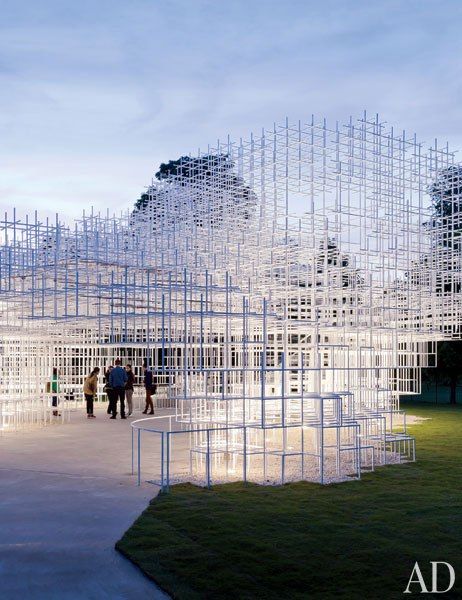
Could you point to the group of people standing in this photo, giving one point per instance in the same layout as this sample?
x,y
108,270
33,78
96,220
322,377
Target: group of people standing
x,y
119,385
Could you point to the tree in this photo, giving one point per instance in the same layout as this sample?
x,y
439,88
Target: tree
x,y
223,195
445,227
142,202
330,257
449,366
446,196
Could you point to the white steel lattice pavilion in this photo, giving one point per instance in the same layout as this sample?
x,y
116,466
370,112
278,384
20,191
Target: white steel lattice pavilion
x,y
285,291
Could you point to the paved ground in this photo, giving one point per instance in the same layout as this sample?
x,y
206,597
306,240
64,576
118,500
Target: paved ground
x,y
66,496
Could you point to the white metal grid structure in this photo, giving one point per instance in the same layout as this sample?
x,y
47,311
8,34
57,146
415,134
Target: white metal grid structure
x,y
285,289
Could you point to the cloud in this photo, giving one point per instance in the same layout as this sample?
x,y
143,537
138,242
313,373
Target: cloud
x,y
96,95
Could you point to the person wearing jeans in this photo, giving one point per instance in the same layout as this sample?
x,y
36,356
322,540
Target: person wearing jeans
x,y
117,380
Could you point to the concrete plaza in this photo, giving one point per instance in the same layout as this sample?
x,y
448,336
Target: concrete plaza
x,y
66,496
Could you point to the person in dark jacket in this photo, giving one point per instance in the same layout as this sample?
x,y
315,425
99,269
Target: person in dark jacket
x,y
150,390
117,380
129,388
108,389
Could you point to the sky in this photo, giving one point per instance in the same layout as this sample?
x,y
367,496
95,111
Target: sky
x,y
94,95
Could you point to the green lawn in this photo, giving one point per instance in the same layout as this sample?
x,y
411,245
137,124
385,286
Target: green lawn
x,y
355,540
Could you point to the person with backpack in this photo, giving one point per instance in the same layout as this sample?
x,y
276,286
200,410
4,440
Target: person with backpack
x,y
90,387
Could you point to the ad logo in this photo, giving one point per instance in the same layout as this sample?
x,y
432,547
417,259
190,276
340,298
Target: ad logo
x,y
416,579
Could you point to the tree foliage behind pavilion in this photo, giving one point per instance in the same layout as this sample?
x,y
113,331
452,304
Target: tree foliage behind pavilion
x,y
211,177
445,226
